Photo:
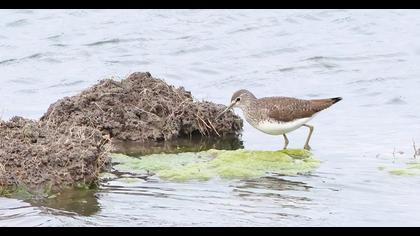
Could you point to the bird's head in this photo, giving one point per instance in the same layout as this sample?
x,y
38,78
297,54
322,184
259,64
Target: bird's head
x,y
240,98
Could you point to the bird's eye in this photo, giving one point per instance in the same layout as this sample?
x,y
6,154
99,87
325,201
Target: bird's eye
x,y
238,99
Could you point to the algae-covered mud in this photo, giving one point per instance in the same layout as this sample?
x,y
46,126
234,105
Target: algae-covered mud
x,y
36,159
410,169
217,163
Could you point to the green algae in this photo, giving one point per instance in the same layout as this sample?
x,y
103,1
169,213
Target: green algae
x,y
23,192
18,192
412,169
402,172
210,164
78,200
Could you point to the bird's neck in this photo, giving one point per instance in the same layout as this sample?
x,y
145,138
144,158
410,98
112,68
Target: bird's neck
x,y
247,106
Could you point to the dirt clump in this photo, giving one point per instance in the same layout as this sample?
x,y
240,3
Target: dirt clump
x,y
42,159
142,108
71,142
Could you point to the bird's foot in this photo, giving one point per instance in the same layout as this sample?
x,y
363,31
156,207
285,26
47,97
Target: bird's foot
x,y
307,147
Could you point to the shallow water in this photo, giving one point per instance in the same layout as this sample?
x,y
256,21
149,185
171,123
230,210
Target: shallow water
x,y
369,57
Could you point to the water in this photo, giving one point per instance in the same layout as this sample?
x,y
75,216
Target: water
x,y
369,57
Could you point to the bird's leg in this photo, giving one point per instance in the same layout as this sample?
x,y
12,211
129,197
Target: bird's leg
x,y
286,141
311,129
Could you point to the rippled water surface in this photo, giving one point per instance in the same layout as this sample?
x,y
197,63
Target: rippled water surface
x,y
369,57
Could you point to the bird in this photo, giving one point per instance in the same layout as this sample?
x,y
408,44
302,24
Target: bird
x,y
278,115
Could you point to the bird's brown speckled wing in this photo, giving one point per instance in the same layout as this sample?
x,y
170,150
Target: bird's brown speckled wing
x,y
287,109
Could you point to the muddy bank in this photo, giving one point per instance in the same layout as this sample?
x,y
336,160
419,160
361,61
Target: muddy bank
x,y
70,144
39,159
142,108
195,144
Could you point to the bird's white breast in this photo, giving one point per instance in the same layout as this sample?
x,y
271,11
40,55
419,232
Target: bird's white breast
x,y
277,128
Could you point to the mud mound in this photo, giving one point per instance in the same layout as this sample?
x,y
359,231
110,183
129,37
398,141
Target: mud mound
x,y
70,144
142,108
41,159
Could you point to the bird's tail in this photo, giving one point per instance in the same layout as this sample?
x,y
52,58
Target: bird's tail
x,y
321,104
335,100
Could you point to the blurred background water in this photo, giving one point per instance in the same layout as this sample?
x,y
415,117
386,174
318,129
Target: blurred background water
x,y
369,57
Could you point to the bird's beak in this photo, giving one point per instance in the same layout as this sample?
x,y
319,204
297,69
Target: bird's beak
x,y
227,109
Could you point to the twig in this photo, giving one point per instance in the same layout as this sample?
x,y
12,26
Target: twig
x,y
98,107
203,121
106,94
393,154
416,151
2,168
148,112
116,83
200,128
178,108
213,127
144,90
